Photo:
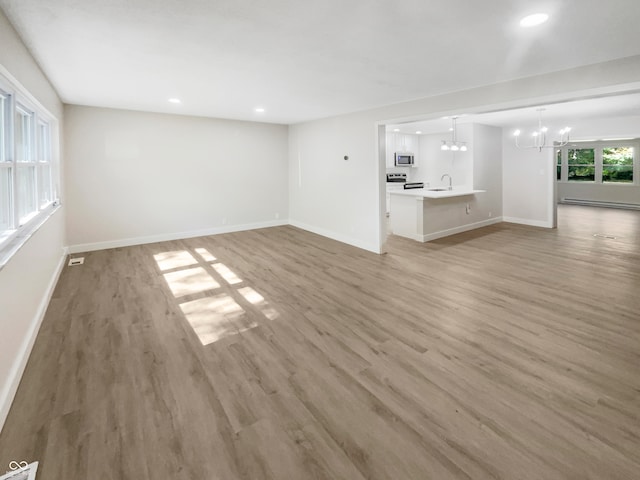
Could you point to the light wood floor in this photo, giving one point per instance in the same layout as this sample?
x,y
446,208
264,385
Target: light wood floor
x,y
509,352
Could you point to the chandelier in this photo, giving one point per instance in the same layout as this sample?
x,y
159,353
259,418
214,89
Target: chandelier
x,y
539,136
454,145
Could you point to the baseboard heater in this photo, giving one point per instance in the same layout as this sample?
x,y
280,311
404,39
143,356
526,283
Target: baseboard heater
x,y
599,203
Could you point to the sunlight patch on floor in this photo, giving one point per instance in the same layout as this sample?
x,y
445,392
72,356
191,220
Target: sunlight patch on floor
x,y
220,313
205,254
170,260
213,318
253,297
190,281
226,273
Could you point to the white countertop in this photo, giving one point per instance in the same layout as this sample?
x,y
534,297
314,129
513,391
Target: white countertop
x,y
426,193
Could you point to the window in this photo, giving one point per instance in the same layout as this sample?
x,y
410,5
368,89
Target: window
x,y
6,170
27,166
601,162
6,194
582,165
4,125
24,134
44,164
617,164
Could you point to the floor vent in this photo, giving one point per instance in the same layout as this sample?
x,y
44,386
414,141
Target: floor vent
x,y
598,203
75,261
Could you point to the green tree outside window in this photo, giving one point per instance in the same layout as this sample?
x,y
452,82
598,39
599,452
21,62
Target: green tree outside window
x,y
617,164
582,165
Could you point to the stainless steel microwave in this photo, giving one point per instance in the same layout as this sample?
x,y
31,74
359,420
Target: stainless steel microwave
x,y
404,159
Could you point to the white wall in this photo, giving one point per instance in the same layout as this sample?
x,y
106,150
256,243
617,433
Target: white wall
x,y
332,196
487,172
629,194
345,200
528,184
27,279
136,177
433,162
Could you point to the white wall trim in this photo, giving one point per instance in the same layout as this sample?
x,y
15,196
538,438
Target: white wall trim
x,y
463,228
164,237
24,92
17,369
531,223
371,247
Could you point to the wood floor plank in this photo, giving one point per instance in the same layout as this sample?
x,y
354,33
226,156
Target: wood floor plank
x,y
508,352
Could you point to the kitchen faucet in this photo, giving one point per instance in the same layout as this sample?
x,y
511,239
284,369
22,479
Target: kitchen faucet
x,y
447,175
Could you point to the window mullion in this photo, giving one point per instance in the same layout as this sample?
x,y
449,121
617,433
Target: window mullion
x,y
14,170
636,164
599,168
35,144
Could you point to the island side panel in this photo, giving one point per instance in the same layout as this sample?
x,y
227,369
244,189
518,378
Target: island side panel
x,y
406,217
448,216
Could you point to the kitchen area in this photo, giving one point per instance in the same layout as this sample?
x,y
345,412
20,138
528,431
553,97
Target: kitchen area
x,y
442,178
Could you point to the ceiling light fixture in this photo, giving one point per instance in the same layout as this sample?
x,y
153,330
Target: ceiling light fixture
x,y
418,132
454,145
534,20
396,129
540,136
175,100
259,110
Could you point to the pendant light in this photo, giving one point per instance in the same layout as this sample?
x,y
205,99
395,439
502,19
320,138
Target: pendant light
x,y
454,145
539,136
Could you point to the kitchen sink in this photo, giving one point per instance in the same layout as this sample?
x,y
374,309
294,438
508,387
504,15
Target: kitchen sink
x,y
437,189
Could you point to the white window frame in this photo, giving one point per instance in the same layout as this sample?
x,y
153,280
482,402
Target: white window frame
x,y
40,158
598,146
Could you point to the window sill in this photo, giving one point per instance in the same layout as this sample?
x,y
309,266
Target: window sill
x,y
17,240
605,184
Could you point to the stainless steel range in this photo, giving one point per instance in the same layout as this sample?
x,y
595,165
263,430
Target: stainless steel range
x,y
396,178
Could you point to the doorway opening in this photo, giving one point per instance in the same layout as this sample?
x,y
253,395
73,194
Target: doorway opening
x,y
523,185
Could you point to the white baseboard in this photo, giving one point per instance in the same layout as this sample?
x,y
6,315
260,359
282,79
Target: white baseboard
x,y
336,236
128,242
526,221
17,369
463,228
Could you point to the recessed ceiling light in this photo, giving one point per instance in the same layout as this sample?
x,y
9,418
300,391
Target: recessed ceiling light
x,y
396,129
175,100
259,110
534,20
418,132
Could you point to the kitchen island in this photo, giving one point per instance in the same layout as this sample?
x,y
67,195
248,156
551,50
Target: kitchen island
x,y
424,214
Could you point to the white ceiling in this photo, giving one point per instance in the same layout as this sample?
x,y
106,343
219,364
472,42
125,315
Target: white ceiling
x,y
554,116
303,60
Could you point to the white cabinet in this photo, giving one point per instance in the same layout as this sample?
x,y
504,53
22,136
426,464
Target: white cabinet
x,y
391,187
391,148
412,144
401,142
392,141
407,143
